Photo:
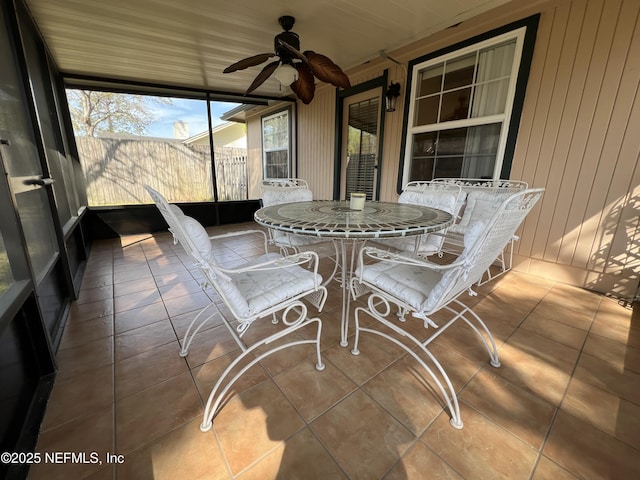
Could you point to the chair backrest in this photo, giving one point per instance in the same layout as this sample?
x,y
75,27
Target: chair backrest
x,y
285,182
471,184
276,191
483,243
483,196
195,240
433,194
186,230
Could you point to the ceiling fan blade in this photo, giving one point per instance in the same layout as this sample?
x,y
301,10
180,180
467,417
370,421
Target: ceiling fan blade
x,y
294,51
304,87
262,76
327,71
249,62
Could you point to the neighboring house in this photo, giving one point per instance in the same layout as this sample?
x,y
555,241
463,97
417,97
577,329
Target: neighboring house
x,y
227,134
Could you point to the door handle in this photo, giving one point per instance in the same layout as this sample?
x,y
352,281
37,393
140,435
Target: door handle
x,y
43,182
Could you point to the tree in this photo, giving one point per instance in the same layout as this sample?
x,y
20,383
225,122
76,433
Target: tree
x,y
93,112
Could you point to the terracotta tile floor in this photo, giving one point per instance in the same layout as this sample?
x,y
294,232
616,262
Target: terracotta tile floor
x,y
564,404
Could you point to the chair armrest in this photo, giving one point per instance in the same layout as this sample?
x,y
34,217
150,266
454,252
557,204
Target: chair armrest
x,y
240,233
403,258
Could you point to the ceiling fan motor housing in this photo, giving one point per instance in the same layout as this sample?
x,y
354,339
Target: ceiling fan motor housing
x,y
290,38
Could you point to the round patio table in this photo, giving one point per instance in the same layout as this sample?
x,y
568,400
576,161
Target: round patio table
x,y
334,219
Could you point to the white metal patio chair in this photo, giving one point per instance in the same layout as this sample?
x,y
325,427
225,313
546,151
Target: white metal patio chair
x,y
277,191
423,288
265,286
444,196
482,197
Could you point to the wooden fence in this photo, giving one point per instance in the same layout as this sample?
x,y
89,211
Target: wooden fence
x,y
116,171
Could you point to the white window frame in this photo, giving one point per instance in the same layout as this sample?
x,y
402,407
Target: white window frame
x,y
504,118
288,148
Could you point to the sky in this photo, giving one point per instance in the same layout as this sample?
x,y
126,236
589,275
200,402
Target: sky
x,y
192,112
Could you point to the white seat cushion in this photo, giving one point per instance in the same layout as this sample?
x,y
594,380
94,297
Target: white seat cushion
x,y
408,283
252,292
421,287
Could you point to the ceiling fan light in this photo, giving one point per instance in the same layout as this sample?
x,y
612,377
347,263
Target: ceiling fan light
x,y
286,74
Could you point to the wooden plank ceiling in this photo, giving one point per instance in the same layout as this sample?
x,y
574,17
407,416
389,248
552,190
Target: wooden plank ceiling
x,y
189,43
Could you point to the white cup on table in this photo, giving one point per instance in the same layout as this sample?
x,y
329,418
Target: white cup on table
x,y
357,201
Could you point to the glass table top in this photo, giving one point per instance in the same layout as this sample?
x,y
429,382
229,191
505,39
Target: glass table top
x,y
331,218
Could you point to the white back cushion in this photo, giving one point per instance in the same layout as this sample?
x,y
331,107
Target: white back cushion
x,y
279,195
437,199
481,205
198,237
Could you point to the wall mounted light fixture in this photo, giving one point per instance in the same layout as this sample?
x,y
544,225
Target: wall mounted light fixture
x,y
391,96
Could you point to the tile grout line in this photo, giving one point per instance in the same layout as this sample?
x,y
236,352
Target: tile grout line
x,y
564,396
114,472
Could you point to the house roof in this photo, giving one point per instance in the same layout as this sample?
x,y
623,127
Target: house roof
x,y
190,43
218,128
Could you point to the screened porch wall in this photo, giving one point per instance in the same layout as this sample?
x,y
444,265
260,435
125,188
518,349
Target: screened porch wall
x,y
578,137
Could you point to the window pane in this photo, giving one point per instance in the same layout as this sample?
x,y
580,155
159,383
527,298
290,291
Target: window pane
x,y
490,98
277,164
424,144
496,62
275,145
447,167
455,105
480,151
422,169
37,225
229,152
430,80
423,155
133,140
451,142
427,110
459,72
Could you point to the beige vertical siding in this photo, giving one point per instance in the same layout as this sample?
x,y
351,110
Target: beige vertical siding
x,y
316,140
579,137
254,155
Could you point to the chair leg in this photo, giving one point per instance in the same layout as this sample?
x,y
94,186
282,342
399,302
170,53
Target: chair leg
x,y
219,392
506,262
439,376
188,337
490,345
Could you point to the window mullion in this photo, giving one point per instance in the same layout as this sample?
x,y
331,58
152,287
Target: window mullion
x,y
468,122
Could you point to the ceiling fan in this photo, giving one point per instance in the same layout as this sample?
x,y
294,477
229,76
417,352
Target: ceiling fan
x,y
293,67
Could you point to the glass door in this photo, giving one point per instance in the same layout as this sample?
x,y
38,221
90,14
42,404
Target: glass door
x,y
360,144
